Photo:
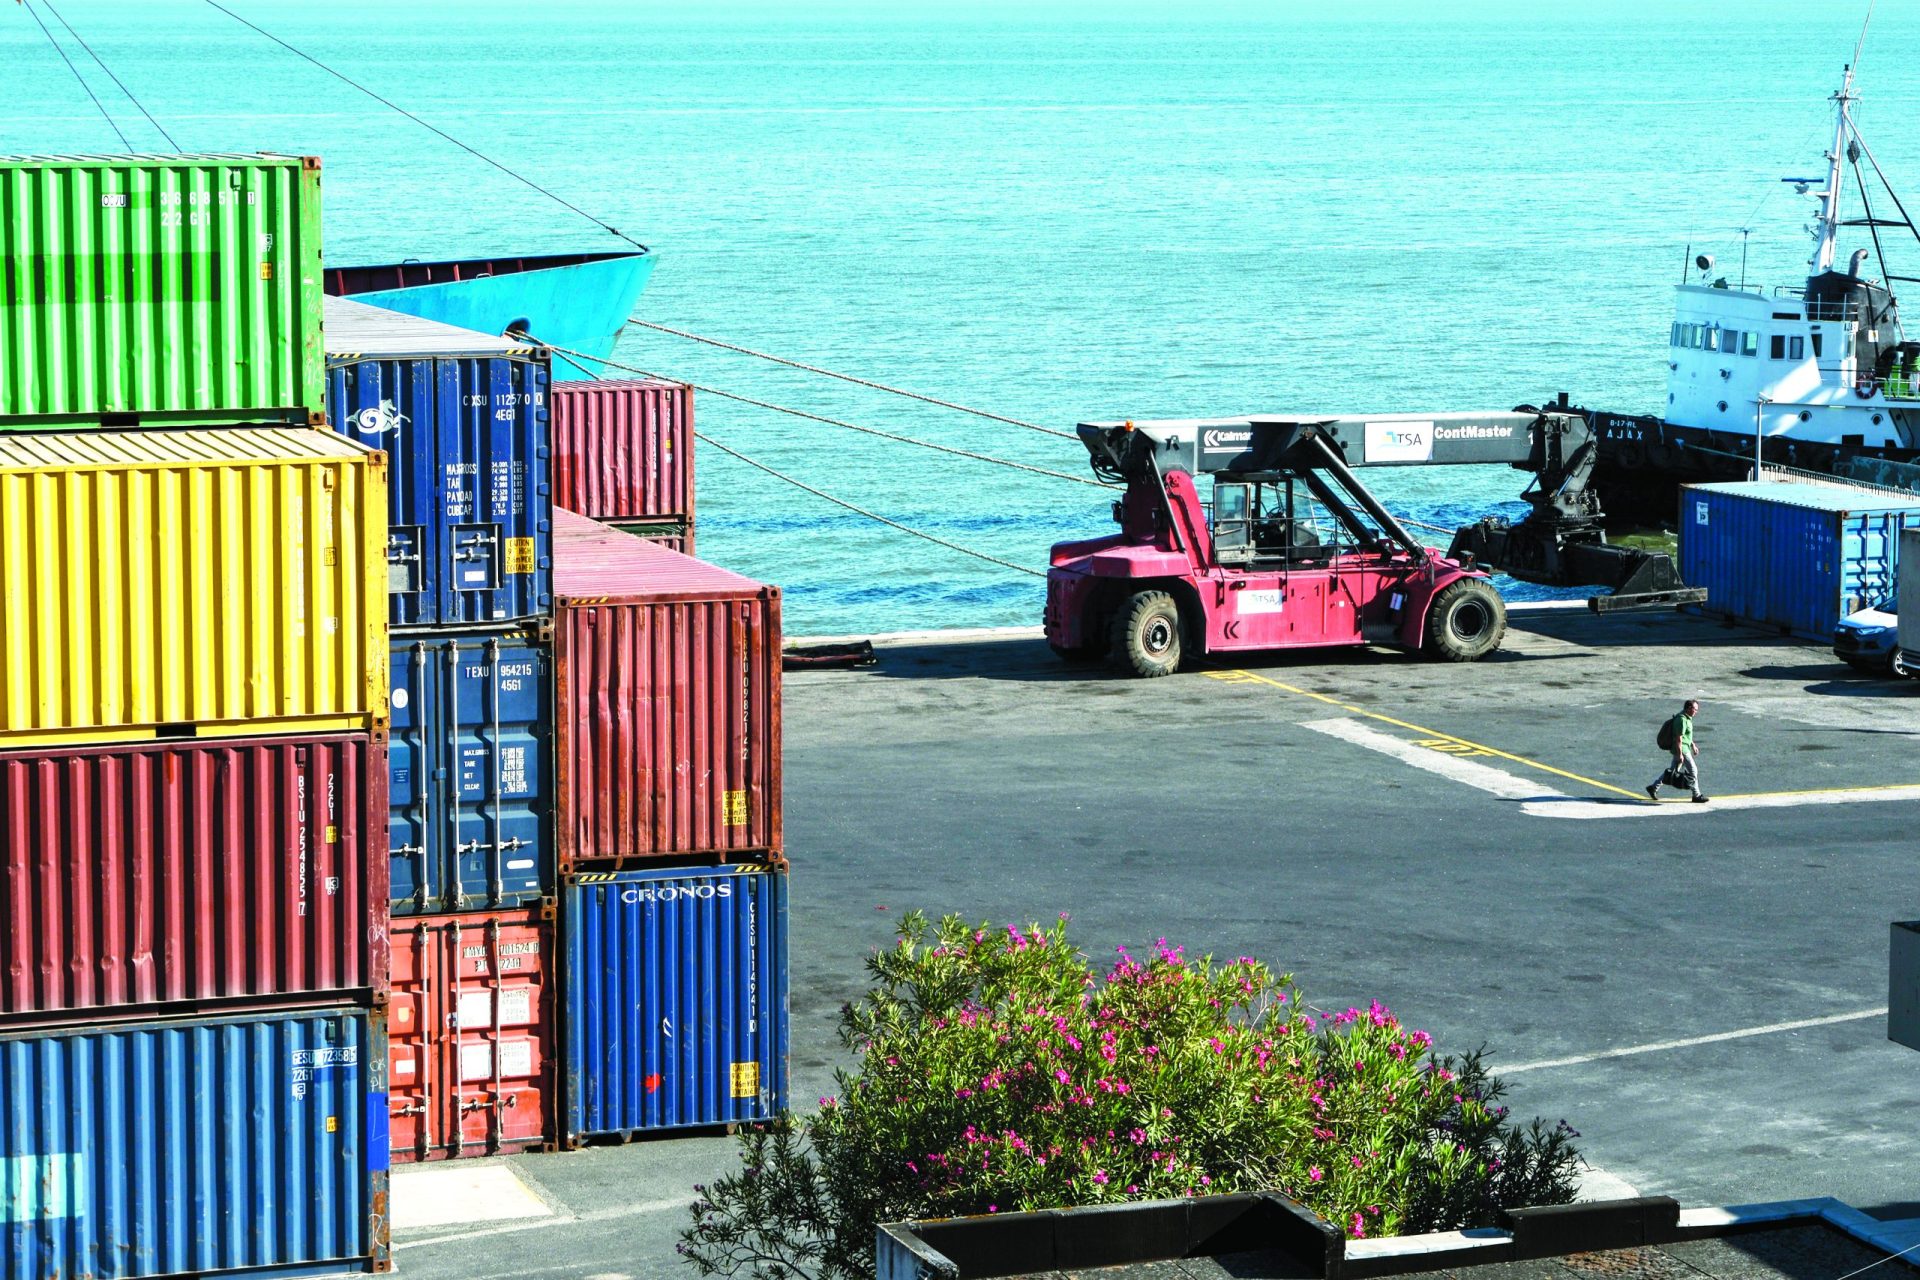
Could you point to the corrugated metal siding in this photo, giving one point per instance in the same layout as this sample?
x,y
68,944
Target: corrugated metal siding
x,y
160,290
623,450
171,583
667,722
467,436
249,870
474,1055
185,1147
1794,557
676,999
472,776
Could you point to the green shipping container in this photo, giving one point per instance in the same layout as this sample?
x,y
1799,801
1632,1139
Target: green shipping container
x,y
160,291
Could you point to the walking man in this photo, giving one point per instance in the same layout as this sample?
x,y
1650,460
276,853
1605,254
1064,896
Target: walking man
x,y
1676,735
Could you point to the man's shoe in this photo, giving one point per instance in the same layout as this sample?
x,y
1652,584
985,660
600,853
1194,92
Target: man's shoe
x,y
1699,799
1653,792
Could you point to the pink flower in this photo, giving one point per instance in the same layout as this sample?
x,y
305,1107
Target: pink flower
x,y
1100,1176
1359,1227
1315,1174
1060,1075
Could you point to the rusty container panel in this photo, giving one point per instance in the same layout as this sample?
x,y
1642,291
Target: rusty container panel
x,y
156,291
167,877
474,1054
623,450
667,704
168,584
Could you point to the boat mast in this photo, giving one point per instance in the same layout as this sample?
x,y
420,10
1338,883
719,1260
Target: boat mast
x,y
1826,231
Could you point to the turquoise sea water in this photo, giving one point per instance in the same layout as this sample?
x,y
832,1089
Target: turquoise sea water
x,y
1056,211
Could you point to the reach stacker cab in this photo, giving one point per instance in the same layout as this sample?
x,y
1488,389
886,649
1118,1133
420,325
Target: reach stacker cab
x,y
1290,550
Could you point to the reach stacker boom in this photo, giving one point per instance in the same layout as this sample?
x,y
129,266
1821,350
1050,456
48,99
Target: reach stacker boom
x,y
1292,550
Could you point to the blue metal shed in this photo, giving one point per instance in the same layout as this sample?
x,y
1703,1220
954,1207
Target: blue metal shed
x,y
470,764
675,999
1794,557
463,417
161,1148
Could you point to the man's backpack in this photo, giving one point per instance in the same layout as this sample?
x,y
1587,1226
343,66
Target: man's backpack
x,y
1664,738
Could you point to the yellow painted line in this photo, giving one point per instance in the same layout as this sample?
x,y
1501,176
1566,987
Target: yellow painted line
x,y
1244,677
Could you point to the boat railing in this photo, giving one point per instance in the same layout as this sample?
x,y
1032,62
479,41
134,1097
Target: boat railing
x,y
1844,309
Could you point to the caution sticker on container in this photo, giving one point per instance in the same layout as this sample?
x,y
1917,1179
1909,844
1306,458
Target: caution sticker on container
x,y
519,555
746,1079
266,271
733,808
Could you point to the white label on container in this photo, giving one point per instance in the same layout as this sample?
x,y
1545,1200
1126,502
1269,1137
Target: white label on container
x,y
476,1062
1399,441
475,1010
520,864
1265,600
401,697
1699,511
40,1188
516,1058
473,575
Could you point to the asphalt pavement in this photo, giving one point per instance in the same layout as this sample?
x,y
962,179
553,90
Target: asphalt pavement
x,y
1698,989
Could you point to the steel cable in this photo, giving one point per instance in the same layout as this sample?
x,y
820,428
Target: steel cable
x,y
77,76
109,70
847,377
813,417
802,485
478,155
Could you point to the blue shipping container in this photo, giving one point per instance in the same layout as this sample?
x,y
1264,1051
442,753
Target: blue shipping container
x,y
676,999
153,1149
470,770
1795,557
463,417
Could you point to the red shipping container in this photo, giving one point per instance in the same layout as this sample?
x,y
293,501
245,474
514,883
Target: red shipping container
x,y
667,693
471,1042
198,875
623,450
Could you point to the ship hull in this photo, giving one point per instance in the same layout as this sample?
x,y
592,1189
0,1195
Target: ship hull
x,y
1644,461
575,301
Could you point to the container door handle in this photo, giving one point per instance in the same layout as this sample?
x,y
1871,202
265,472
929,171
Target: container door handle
x,y
422,803
495,764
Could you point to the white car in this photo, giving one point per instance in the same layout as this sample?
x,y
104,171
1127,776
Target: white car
x,y
1869,639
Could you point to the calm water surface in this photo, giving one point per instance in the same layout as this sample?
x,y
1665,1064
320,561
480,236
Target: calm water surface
x,y
1056,211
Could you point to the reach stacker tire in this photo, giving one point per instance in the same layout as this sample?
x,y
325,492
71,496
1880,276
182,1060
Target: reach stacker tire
x,y
1466,622
1146,634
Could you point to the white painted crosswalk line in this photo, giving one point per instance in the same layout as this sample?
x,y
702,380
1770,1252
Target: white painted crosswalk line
x,y
1455,768
1583,809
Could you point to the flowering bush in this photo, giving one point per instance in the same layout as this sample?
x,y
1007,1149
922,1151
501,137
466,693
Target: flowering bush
x,y
996,1073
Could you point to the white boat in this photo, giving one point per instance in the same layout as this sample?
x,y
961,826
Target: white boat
x,y
1817,375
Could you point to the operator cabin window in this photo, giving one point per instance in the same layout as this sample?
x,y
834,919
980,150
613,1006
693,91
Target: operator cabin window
x,y
1749,343
1779,347
1816,344
1713,338
1673,334
1796,348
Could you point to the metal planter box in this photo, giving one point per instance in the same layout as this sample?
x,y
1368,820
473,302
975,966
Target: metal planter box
x,y
667,704
1793,557
148,878
475,1062
676,999
623,450
463,417
170,1148
191,583
158,291
471,772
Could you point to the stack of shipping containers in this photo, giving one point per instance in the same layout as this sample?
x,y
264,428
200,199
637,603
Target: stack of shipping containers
x,y
673,884
474,1057
193,703
623,455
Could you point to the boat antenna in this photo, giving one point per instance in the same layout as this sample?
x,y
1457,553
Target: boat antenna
x,y
1743,257
1861,44
1686,262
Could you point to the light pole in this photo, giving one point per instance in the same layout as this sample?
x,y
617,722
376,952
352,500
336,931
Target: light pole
x,y
1759,434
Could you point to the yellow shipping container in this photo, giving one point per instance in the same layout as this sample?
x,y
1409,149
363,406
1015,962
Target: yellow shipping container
x,y
159,584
